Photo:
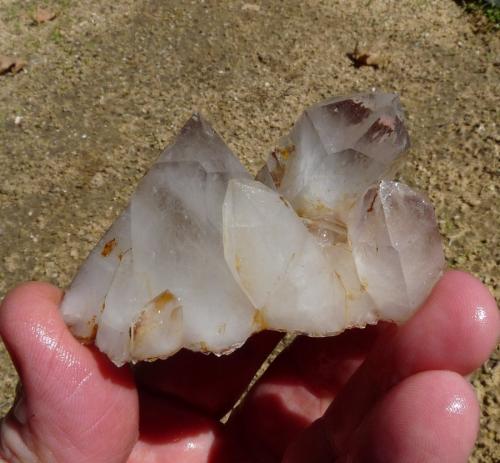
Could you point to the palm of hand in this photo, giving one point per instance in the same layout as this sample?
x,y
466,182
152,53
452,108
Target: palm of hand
x,y
381,394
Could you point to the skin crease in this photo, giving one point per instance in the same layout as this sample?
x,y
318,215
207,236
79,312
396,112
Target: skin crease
x,y
383,394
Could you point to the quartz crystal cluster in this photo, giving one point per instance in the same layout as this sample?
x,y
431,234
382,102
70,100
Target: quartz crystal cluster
x,y
322,240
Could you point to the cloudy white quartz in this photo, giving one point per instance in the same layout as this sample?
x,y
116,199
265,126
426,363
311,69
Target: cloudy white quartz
x,y
204,256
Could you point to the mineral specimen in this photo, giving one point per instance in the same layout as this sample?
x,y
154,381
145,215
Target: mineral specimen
x,y
158,281
204,256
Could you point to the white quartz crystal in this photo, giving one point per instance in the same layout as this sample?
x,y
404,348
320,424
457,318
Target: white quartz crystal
x,y
204,256
300,281
335,151
278,263
396,247
158,280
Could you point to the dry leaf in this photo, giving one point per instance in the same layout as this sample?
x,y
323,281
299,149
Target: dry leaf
x,y
11,64
365,57
43,15
18,66
6,63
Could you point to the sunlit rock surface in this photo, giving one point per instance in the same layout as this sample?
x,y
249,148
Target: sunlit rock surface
x,y
204,256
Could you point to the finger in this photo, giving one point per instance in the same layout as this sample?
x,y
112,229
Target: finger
x,y
455,329
431,416
186,436
75,405
209,383
298,388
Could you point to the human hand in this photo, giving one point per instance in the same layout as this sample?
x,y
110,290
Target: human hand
x,y
382,394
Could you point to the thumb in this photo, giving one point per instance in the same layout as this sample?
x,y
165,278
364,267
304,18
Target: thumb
x,y
74,405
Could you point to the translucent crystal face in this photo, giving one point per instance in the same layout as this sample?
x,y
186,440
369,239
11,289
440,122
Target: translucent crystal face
x,y
204,256
158,281
335,151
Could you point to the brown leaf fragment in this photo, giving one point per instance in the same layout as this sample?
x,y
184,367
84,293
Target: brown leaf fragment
x,y
6,63
108,248
11,64
18,66
365,57
43,15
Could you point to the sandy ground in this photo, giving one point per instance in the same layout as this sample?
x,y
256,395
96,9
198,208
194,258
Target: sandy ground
x,y
108,84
